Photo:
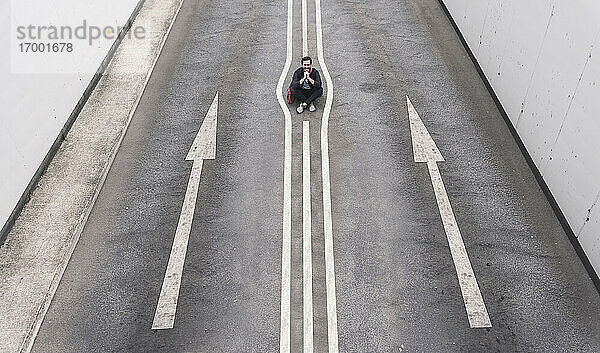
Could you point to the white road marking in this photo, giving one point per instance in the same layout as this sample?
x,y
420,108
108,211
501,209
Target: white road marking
x,y
425,150
332,333
164,317
307,242
304,29
286,249
204,147
476,311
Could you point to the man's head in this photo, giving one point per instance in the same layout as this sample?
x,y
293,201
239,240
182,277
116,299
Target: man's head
x,y
306,63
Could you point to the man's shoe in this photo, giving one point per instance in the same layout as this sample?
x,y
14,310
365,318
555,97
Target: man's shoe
x,y
311,108
301,108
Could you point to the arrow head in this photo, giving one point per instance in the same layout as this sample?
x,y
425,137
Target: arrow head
x,y
205,143
424,148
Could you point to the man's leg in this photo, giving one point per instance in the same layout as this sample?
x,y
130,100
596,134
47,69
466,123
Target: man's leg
x,y
301,94
314,94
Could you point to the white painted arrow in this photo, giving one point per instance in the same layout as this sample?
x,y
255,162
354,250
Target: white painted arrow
x,y
204,147
426,151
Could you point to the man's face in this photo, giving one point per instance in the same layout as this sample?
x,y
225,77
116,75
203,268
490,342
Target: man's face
x,y
306,65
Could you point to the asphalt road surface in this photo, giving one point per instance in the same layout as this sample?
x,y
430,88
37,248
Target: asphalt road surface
x,y
396,285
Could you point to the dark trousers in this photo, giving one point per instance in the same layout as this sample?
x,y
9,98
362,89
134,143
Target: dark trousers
x,y
307,95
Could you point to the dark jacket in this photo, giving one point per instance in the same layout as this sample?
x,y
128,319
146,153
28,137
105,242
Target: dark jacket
x,y
299,74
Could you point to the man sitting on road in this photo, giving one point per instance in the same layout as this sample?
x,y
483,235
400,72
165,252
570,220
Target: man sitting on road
x,y
306,85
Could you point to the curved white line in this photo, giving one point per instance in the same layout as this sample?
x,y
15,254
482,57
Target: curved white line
x,y
332,333
286,259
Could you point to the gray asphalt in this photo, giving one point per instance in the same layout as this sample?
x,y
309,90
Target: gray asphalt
x,y
397,288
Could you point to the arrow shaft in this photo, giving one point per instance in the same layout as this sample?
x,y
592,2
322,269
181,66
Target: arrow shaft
x,y
164,317
476,310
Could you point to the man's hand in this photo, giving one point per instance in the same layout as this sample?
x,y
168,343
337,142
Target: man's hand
x,y
304,78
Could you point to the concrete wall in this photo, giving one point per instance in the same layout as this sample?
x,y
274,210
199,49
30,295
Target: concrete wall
x,y
40,90
542,58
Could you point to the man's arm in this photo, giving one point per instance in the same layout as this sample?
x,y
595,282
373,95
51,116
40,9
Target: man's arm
x,y
296,79
316,82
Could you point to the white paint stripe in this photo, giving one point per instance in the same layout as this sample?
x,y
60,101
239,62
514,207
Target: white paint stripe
x,y
164,317
476,311
286,249
307,241
203,147
424,148
304,29
29,341
332,333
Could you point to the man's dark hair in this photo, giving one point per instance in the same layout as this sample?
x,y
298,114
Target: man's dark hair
x,y
306,58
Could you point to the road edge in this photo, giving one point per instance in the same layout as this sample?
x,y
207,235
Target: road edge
x,y
10,222
28,342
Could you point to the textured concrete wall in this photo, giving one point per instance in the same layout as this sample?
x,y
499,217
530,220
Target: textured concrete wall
x,y
542,59
40,90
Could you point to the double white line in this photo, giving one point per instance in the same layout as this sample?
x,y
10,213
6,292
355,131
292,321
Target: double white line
x,y
284,341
